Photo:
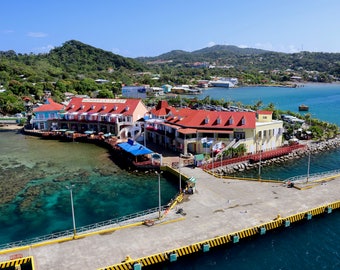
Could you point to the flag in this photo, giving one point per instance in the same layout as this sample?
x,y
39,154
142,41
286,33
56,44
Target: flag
x,y
217,146
210,142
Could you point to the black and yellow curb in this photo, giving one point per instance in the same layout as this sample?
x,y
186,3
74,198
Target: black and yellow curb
x,y
204,246
28,262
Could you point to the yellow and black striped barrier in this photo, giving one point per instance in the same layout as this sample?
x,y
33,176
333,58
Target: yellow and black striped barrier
x,y
26,262
204,246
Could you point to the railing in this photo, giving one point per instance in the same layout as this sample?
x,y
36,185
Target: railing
x,y
253,157
92,227
314,176
8,121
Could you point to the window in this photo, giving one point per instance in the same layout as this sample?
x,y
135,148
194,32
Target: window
x,y
243,121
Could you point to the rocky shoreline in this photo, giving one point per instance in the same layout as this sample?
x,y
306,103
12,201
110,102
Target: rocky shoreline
x,y
311,147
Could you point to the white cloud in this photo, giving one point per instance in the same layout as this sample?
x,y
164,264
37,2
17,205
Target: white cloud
x,y
211,43
7,31
44,49
265,46
293,49
118,51
36,34
243,46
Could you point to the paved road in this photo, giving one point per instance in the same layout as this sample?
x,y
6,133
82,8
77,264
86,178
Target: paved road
x,y
218,207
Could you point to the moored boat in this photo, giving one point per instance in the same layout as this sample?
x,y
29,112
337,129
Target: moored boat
x,y
303,107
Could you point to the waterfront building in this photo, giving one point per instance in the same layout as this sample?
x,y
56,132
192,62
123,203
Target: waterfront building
x,y
45,117
162,110
199,131
115,116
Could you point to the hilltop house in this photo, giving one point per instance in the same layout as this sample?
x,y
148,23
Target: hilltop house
x,y
102,115
45,117
199,131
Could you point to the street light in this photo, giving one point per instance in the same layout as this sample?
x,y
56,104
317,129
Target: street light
x,y
180,175
72,206
308,167
159,193
259,176
221,164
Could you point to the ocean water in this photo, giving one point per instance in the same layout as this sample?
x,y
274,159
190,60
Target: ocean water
x,y
310,245
323,99
34,200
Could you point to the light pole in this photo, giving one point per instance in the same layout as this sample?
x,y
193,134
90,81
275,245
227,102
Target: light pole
x,y
72,206
180,175
212,162
159,193
308,167
259,176
221,164
144,134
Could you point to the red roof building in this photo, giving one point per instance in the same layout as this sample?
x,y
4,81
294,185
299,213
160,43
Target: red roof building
x,y
102,114
46,116
162,110
198,131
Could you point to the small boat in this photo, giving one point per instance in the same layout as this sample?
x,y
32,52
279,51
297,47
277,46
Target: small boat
x,y
303,108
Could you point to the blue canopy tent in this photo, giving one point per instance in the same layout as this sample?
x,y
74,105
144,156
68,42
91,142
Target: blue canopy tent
x,y
134,148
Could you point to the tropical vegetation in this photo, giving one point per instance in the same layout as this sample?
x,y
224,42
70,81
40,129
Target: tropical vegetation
x,y
81,69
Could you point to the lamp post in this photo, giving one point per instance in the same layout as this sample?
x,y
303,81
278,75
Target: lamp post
x,y
308,167
180,175
159,193
259,176
221,164
72,206
212,161
144,134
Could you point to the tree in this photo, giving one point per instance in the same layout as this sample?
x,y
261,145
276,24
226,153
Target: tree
x,y
105,94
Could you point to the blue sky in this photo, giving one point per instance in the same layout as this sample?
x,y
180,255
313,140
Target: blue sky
x,y
134,28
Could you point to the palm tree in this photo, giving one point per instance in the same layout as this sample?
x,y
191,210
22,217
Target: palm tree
x,y
240,150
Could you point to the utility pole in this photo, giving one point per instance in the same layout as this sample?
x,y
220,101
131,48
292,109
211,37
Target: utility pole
x,y
72,206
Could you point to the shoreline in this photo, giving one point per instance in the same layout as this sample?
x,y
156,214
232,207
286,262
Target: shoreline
x,y
11,127
312,147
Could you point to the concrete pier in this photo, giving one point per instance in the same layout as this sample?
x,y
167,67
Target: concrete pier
x,y
218,207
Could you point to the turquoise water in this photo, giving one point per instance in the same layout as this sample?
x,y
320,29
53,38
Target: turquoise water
x,y
34,176
35,201
323,99
313,245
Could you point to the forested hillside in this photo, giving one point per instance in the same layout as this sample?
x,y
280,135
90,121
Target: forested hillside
x,y
244,59
74,67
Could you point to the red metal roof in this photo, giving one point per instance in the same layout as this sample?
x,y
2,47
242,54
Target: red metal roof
x,y
102,105
264,112
50,105
162,109
202,119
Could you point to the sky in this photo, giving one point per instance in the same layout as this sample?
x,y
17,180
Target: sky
x,y
136,28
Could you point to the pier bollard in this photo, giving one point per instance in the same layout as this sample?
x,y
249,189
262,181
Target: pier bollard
x,y
329,210
137,266
236,239
287,223
173,257
262,230
308,216
206,247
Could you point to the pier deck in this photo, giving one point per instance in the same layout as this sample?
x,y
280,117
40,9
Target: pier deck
x,y
218,207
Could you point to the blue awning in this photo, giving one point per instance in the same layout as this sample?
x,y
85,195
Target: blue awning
x,y
135,148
